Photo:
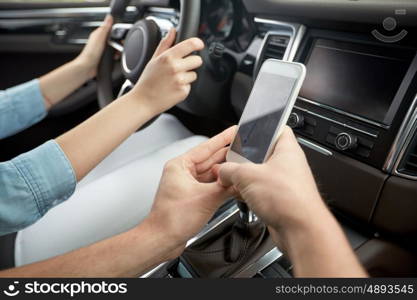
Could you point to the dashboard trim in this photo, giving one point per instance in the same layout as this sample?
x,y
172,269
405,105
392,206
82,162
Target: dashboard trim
x,y
59,12
336,122
314,146
405,139
260,264
343,113
401,142
297,42
395,155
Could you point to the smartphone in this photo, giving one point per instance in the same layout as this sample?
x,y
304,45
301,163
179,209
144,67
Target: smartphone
x,y
267,111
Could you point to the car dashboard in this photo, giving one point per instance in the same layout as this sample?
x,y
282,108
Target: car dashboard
x,y
355,118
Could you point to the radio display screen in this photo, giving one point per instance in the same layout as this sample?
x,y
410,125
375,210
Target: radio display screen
x,y
359,79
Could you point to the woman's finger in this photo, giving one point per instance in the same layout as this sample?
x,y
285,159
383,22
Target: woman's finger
x,y
108,22
188,78
166,42
190,63
187,47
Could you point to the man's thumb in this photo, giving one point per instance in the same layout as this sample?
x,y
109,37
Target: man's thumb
x,y
226,174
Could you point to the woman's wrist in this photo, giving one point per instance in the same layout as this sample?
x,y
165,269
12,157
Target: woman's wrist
x,y
143,103
84,68
63,81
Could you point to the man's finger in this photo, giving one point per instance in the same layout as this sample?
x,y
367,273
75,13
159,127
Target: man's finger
x,y
287,139
166,42
209,148
187,47
217,158
207,177
220,193
226,174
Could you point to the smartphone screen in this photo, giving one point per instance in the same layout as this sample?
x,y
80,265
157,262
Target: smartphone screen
x,y
262,115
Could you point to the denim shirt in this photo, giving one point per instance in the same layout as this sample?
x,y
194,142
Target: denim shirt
x,y
32,183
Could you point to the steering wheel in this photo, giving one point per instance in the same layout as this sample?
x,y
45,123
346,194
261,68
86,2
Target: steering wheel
x,y
137,42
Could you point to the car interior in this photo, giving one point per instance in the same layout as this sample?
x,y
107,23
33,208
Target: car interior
x,y
355,117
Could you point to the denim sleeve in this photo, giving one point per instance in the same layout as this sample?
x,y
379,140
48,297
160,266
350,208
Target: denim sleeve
x,y
32,184
21,107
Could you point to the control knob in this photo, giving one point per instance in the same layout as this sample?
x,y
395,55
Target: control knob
x,y
296,121
345,141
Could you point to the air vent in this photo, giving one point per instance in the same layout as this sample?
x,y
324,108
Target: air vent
x,y
275,46
408,165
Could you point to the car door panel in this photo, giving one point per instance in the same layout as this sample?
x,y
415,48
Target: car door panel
x,y
33,42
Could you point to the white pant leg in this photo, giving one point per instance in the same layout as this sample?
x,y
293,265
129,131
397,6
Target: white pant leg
x,y
103,208
163,132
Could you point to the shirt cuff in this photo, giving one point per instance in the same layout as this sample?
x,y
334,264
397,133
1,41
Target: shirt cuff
x,y
49,175
28,101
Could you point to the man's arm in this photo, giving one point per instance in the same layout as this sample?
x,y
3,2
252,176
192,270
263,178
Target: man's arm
x,y
126,255
284,195
187,199
319,248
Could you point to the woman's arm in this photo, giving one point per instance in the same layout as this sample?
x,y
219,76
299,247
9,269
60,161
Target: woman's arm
x,y
28,103
60,83
34,182
165,82
21,107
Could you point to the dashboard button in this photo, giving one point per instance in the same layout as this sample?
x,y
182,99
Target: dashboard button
x,y
345,141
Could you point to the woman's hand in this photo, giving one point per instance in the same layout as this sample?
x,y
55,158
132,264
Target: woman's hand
x,y
60,83
91,55
167,78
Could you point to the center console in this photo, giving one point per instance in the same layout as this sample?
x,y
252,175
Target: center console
x,y
355,96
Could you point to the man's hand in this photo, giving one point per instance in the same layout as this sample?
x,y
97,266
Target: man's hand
x,y
167,78
91,55
188,194
283,193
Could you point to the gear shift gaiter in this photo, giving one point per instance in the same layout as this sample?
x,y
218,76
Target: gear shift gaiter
x,y
224,252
